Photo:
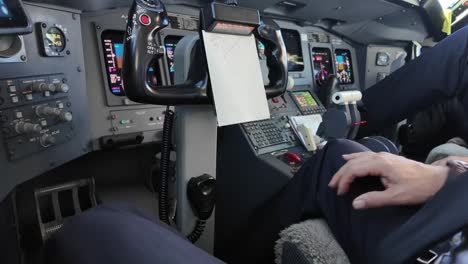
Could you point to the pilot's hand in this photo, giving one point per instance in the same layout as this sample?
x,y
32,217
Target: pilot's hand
x,y
443,162
406,182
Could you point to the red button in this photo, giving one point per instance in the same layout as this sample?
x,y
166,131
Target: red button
x,y
275,100
293,158
145,20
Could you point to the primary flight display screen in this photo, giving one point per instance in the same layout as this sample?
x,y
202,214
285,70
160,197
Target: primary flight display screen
x,y
112,42
305,99
322,60
292,40
344,66
170,42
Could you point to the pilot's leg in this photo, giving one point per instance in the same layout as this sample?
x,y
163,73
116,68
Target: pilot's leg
x,y
120,236
439,74
308,196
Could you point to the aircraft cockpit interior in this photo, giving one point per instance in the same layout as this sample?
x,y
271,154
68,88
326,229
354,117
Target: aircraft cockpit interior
x,y
220,120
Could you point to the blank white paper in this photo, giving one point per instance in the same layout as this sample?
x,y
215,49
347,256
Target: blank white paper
x,y
236,78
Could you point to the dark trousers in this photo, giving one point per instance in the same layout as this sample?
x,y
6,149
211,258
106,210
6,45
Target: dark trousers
x,y
308,196
120,235
387,235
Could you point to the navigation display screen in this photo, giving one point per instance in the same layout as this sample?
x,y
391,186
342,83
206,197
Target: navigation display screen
x,y
170,43
112,42
322,60
344,66
305,99
292,40
4,10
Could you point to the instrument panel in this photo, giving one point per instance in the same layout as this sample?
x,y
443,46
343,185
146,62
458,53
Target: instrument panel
x,y
63,96
314,54
116,118
43,100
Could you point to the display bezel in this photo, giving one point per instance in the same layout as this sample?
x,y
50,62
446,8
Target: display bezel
x,y
172,40
297,36
18,22
350,57
116,36
302,108
313,51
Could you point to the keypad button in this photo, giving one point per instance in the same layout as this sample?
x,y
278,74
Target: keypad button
x,y
12,89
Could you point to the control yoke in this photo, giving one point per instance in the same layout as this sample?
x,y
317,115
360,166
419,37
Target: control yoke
x,y
144,52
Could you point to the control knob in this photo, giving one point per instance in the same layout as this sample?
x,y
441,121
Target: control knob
x,y
42,87
62,88
43,111
47,140
27,128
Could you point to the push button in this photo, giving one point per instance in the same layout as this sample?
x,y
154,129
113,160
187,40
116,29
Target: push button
x,y
145,20
12,89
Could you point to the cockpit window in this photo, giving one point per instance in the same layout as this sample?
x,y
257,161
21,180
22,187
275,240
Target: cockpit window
x,y
448,4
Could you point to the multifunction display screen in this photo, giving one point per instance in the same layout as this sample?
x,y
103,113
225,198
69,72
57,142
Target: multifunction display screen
x,y
112,42
323,61
170,43
292,40
344,66
305,99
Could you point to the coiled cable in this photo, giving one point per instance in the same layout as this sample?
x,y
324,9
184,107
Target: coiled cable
x,y
165,167
197,231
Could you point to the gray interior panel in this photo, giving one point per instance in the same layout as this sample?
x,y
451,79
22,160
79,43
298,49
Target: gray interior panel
x,y
335,43
349,14
304,77
38,158
402,25
98,113
374,72
110,113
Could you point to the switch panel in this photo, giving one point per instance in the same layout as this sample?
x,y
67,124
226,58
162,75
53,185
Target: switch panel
x,y
36,114
21,91
124,122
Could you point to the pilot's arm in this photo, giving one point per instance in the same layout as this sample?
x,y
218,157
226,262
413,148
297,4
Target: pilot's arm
x,y
438,75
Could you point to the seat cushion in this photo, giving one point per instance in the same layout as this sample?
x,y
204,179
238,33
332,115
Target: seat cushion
x,y
311,239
